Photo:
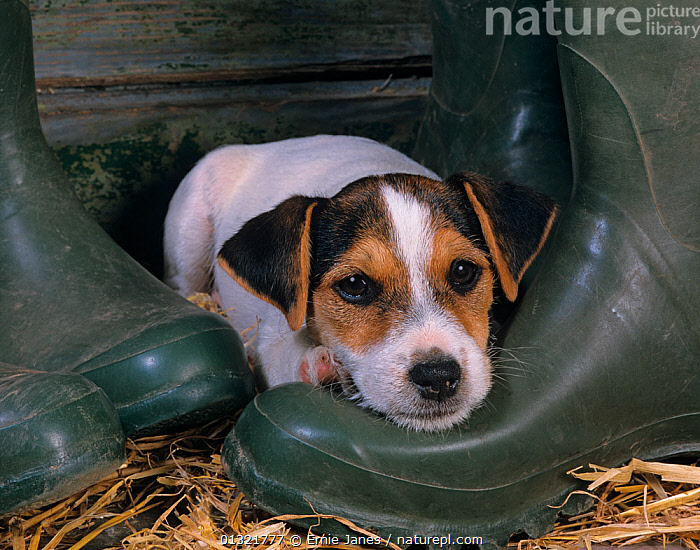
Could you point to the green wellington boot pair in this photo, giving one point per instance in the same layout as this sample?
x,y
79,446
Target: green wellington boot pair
x,y
92,347
605,341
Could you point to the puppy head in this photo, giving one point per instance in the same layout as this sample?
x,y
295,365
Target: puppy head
x,y
395,276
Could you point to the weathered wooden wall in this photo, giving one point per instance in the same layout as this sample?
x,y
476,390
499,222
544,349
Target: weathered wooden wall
x,y
134,92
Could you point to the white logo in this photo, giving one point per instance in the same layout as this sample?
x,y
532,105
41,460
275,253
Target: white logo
x,y
657,21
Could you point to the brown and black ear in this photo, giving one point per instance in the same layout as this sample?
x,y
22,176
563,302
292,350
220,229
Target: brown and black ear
x,y
515,221
270,257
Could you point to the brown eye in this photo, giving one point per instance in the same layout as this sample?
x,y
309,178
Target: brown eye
x,y
353,288
463,274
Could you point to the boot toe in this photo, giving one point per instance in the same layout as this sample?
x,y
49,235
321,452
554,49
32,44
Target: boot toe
x,y
296,450
58,434
174,374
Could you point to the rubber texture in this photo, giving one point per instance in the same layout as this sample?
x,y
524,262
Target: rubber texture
x,y
496,107
495,103
73,300
296,450
602,353
58,434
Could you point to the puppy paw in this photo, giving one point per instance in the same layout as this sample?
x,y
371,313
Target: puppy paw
x,y
319,367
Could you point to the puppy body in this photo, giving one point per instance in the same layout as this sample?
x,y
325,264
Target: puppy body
x,y
359,264
236,183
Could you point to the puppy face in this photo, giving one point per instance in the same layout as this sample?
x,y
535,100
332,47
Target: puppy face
x,y
395,276
404,303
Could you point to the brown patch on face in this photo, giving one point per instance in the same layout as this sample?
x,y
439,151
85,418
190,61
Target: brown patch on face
x,y
470,308
359,326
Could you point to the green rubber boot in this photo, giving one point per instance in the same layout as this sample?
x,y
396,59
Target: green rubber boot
x,y
495,101
72,300
496,107
58,434
605,342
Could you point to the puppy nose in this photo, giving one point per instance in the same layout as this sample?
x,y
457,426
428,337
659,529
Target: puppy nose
x,y
436,378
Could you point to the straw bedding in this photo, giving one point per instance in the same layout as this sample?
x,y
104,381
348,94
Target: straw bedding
x,y
178,483
172,494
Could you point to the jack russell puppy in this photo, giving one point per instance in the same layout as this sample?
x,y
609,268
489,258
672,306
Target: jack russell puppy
x,y
361,267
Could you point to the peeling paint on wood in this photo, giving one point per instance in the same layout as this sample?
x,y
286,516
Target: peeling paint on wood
x,y
126,153
134,92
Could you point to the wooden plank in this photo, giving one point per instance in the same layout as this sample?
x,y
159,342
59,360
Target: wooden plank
x,y
134,92
126,150
110,42
95,116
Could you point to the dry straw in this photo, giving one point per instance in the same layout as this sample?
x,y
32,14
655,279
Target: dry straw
x,y
180,478
193,505
177,483
638,503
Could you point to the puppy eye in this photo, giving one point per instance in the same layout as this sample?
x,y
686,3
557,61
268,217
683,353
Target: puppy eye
x,y
463,274
353,288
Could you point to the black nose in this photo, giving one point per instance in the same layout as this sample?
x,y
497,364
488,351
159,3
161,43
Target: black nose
x,y
436,378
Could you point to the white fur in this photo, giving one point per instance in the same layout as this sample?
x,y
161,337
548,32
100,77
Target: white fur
x,y
413,238
234,184
381,373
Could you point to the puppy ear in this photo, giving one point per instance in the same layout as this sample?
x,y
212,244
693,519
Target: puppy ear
x,y
270,257
515,221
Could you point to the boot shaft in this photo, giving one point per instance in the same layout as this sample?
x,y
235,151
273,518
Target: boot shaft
x,y
18,108
633,106
495,100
